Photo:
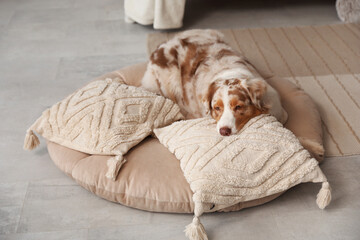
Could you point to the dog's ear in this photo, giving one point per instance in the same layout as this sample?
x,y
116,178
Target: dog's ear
x,y
207,98
257,89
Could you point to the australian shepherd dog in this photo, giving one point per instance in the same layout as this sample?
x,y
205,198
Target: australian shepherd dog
x,y
205,76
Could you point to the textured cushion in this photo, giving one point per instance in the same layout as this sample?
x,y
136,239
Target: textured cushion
x,y
104,117
264,158
152,179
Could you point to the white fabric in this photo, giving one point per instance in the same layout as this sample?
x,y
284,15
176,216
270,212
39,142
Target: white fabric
x,y
164,14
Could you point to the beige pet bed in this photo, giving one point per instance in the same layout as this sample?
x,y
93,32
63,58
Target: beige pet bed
x,y
152,179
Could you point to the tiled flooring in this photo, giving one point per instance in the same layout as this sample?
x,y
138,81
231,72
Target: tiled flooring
x,y
49,48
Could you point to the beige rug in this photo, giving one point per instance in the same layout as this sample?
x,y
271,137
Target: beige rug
x,y
322,60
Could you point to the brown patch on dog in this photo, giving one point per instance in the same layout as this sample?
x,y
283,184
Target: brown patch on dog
x,y
217,110
213,87
174,53
225,53
257,90
184,42
193,59
241,99
235,82
248,113
200,58
241,94
158,57
185,67
185,98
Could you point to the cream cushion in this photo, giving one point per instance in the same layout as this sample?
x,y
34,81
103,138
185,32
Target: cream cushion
x,y
105,117
264,158
151,166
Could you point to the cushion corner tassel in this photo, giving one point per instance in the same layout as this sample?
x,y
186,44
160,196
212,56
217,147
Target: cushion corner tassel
x,y
114,164
195,230
31,141
324,196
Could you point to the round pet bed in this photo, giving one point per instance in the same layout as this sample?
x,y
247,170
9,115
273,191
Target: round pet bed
x,y
152,179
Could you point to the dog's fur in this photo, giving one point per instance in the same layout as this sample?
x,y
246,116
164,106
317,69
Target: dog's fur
x,y
203,75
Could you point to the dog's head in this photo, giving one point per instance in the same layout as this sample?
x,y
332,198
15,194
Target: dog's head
x,y
233,102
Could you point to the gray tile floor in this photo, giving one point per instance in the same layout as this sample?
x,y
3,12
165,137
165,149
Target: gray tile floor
x,y
48,48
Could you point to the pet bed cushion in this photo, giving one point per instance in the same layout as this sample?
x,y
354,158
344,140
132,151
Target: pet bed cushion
x,y
152,179
104,117
264,158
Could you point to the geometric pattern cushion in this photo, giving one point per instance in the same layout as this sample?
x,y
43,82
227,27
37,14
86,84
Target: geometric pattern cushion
x,y
104,117
263,159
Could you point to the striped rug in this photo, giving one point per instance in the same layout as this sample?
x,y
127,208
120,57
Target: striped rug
x,y
322,60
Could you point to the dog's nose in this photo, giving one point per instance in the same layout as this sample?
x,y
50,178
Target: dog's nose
x,y
225,131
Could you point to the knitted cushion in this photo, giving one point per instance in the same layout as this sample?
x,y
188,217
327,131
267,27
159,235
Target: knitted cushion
x,y
104,117
263,159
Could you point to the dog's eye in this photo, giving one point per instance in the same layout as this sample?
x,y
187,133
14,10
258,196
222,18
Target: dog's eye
x,y
217,108
238,107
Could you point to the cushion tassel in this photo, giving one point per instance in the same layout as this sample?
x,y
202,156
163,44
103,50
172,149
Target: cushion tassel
x,y
324,196
114,164
31,140
195,230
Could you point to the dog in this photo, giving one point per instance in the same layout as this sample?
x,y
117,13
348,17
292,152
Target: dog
x,y
205,76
